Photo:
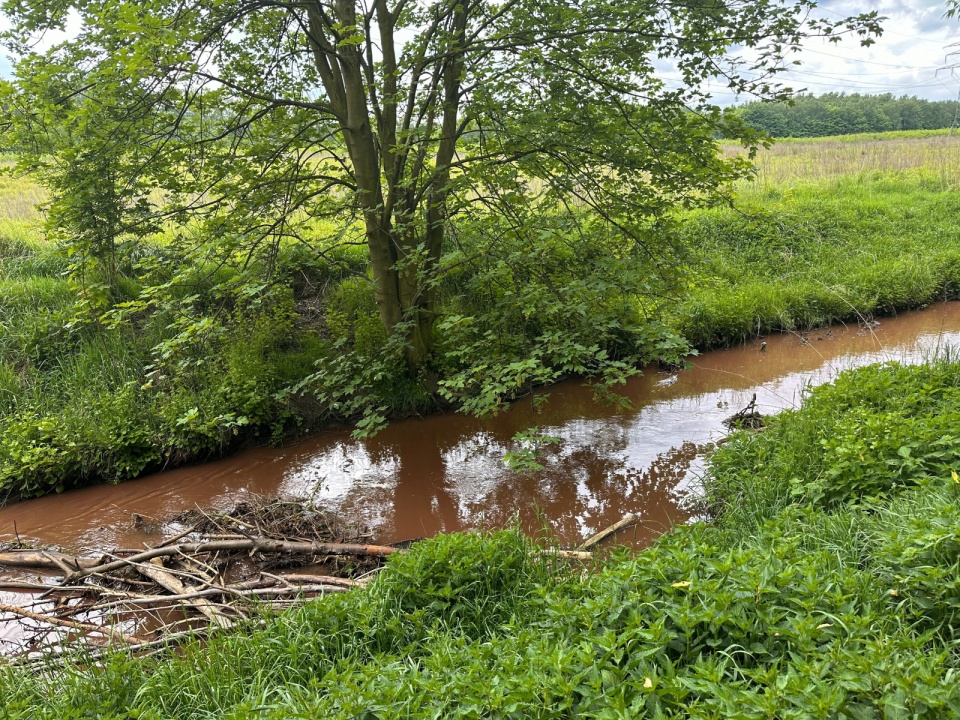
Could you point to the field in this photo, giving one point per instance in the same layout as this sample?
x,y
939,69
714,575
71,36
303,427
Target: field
x,y
935,153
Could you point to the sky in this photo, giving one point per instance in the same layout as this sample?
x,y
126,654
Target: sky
x,y
912,57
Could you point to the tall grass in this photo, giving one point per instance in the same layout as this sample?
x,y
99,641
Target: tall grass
x,y
814,159
808,254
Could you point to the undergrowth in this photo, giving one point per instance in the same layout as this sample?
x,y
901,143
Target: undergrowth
x,y
182,357
826,587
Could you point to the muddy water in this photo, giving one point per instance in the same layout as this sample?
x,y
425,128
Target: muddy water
x,y
446,473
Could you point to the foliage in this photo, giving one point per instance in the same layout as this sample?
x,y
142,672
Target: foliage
x,y
868,435
398,128
807,607
843,114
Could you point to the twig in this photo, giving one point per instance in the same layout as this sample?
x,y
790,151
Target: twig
x,y
155,571
178,536
568,554
259,544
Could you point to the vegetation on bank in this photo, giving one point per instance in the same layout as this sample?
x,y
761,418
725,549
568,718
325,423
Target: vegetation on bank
x,y
826,587
808,116
807,254
184,356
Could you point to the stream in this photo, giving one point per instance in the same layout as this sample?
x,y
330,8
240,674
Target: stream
x,y
445,473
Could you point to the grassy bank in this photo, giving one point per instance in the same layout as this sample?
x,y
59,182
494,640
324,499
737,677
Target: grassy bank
x,y
827,587
806,254
106,381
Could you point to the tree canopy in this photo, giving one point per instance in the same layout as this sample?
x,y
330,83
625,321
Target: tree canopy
x,y
434,137
846,114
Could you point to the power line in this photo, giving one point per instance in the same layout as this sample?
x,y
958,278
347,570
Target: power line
x,y
871,62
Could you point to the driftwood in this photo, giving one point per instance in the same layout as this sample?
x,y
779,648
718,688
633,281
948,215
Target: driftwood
x,y
81,567
154,570
627,520
205,577
260,544
42,560
65,623
568,554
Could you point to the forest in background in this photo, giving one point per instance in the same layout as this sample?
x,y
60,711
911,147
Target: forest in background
x,y
847,114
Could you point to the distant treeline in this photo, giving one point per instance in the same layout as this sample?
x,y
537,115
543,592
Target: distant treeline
x,y
841,114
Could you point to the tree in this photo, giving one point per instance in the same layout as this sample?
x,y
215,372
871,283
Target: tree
x,y
390,122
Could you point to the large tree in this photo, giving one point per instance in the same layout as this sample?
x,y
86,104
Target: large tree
x,y
388,121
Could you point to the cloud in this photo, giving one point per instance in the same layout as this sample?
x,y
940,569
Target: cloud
x,y
911,57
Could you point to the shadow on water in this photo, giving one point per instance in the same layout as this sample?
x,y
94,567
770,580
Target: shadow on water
x,y
445,473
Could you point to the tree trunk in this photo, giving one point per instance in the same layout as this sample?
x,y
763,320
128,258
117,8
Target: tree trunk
x,y
402,268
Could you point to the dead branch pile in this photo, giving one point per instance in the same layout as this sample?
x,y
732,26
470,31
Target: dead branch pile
x,y
209,575
747,419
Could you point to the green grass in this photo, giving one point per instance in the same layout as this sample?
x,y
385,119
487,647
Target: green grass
x,y
824,589
860,137
813,253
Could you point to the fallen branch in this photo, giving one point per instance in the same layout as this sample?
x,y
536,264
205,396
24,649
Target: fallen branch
x,y
568,554
293,591
264,545
627,520
42,560
155,571
72,624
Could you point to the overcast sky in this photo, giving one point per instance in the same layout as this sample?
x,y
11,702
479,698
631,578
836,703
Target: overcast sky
x,y
911,58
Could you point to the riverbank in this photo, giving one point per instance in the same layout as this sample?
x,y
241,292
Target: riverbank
x,y
805,254
607,462
86,400
826,586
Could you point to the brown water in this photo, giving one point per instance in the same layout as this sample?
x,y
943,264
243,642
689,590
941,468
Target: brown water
x,y
446,473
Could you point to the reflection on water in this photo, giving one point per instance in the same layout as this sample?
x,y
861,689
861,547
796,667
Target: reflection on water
x,y
445,473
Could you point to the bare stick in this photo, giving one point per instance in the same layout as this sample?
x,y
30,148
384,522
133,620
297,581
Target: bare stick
x,y
41,560
72,624
319,580
156,572
627,520
258,544
568,554
178,536
293,590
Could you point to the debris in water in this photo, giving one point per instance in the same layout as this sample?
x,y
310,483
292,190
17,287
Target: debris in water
x,y
747,419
